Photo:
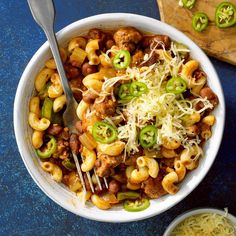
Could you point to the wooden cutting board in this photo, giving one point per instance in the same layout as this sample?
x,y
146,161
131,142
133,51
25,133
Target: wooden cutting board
x,y
219,43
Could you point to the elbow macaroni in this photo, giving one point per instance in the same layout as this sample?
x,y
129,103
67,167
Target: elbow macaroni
x,y
81,109
59,103
112,149
55,90
89,158
37,139
139,175
91,48
168,183
53,169
43,76
38,124
150,163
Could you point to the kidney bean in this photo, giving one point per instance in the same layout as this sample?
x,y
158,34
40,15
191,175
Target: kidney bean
x,y
88,69
54,129
114,186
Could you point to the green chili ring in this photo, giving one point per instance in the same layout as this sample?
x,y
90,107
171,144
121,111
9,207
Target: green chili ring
x,y
200,21
225,15
104,132
122,59
148,136
124,92
137,205
138,88
176,85
51,147
189,3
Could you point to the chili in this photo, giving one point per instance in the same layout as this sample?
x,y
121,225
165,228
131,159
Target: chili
x,y
47,108
124,92
122,59
127,195
137,205
189,3
176,85
104,132
225,15
138,88
50,148
200,21
68,164
148,136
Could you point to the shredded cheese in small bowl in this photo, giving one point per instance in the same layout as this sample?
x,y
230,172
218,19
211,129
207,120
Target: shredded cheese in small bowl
x,y
205,221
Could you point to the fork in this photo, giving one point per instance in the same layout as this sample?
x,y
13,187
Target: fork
x,y
44,14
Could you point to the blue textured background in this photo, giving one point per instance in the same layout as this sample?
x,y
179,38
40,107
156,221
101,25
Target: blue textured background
x,y
24,208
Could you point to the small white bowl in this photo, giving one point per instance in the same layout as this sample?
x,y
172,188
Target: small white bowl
x,y
58,192
187,214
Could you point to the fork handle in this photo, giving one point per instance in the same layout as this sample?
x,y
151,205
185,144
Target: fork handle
x,y
44,14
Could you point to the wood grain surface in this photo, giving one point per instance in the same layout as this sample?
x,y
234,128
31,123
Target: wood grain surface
x,y
219,43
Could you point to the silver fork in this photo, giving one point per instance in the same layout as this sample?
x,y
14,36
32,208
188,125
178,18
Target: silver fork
x,y
44,14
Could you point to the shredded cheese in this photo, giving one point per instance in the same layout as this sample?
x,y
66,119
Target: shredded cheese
x,y
207,224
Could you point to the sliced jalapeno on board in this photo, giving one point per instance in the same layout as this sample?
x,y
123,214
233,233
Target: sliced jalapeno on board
x,y
138,88
122,59
176,85
104,132
200,21
148,136
137,205
189,3
47,108
127,195
50,148
225,15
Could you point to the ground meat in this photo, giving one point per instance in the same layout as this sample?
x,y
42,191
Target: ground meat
x,y
210,95
105,164
62,150
105,108
152,60
127,38
54,129
137,58
74,143
76,86
164,40
153,187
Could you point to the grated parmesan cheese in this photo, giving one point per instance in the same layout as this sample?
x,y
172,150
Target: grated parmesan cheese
x,y
207,224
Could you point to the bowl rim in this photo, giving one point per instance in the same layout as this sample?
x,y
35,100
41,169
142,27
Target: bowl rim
x,y
180,218
100,17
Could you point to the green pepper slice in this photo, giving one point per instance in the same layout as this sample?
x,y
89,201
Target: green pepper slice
x,y
47,108
68,164
189,3
43,93
121,60
200,21
50,148
176,85
225,15
127,195
124,92
138,88
137,205
148,136
104,132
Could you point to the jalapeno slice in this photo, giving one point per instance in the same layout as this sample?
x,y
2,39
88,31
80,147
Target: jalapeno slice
x,y
122,59
104,132
127,195
68,164
124,92
176,85
49,149
137,205
138,88
148,136
200,21
47,108
188,3
225,15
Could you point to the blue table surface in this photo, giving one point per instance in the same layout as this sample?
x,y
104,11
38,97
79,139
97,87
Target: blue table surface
x,y
24,208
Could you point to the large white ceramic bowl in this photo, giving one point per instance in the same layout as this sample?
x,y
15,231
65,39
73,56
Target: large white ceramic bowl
x,y
57,192
187,214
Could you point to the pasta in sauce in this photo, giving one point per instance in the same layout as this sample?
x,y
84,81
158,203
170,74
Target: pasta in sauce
x,y
144,114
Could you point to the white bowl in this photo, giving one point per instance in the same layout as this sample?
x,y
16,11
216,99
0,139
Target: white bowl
x,y
57,192
187,214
